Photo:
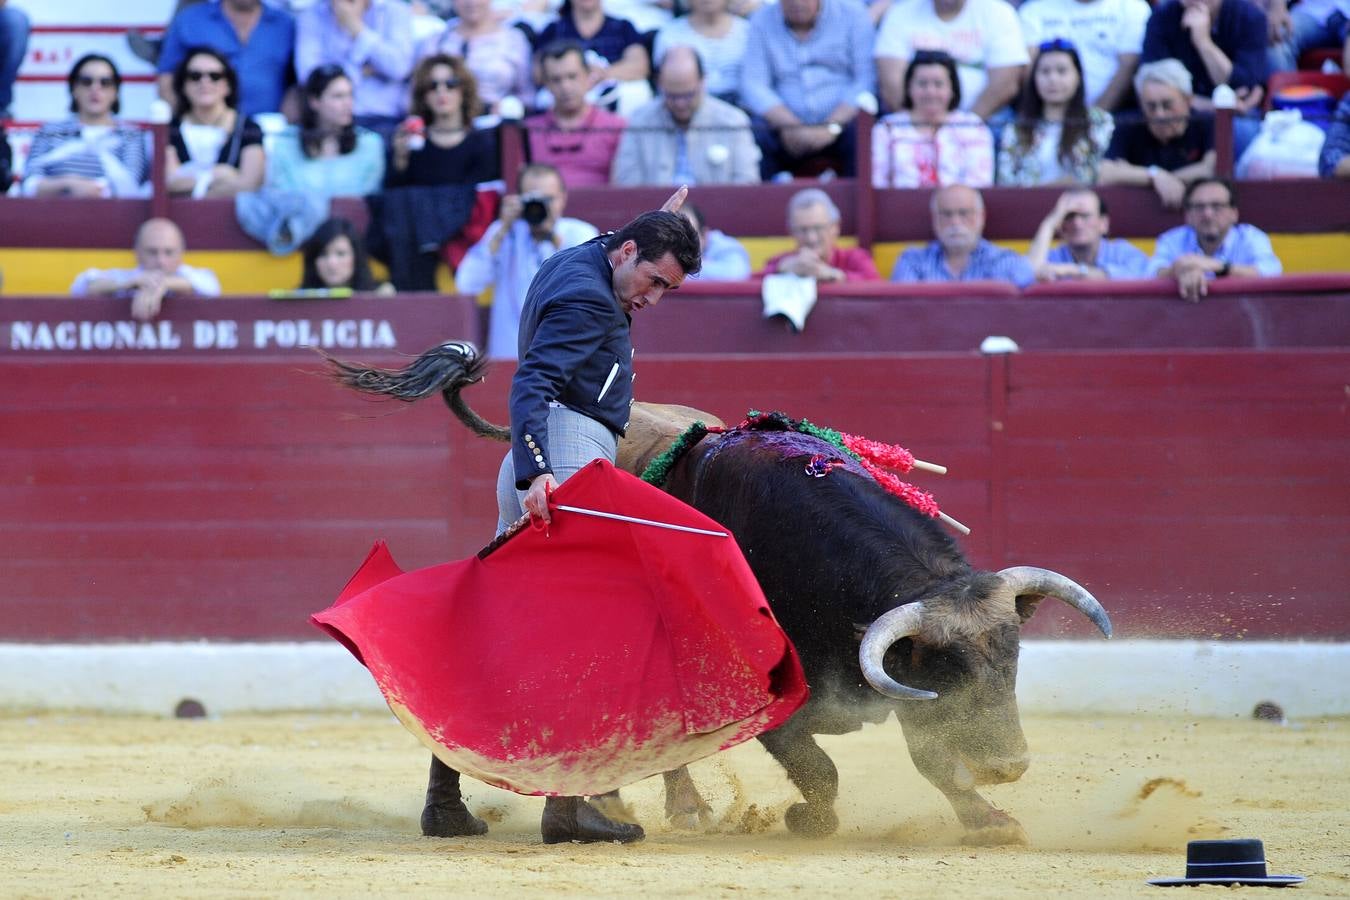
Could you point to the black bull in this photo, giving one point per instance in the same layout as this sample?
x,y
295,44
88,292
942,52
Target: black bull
x,y
879,601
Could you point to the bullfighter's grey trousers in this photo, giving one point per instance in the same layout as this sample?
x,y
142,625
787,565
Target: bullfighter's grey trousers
x,y
573,441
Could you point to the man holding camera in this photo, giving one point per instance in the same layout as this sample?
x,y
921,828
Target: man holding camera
x,y
531,228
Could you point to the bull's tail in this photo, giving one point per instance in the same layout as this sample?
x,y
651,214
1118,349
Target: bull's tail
x,y
448,368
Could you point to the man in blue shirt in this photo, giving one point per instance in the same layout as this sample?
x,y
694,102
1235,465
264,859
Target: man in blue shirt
x,y
960,252
1212,244
806,63
1080,220
255,37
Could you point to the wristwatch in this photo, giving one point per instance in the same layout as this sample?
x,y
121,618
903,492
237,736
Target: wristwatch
x,y
835,128
1153,172
1083,269
1224,269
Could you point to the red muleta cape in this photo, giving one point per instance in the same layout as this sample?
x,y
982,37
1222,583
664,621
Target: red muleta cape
x,y
581,658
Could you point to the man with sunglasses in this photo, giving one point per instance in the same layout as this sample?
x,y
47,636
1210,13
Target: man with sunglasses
x,y
1212,243
256,38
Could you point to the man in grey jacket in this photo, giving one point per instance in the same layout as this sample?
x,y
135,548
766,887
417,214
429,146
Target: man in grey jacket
x,y
685,136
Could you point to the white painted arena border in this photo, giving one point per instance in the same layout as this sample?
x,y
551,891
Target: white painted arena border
x,y
1199,678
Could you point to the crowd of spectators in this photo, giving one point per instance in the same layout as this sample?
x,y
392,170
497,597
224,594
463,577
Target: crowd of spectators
x,y
402,102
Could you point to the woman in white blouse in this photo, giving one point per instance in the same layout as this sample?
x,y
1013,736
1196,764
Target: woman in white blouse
x,y
929,142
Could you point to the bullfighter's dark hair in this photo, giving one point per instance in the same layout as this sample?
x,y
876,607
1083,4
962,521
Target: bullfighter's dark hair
x,y
325,234
75,74
1211,179
658,233
932,58
311,137
180,100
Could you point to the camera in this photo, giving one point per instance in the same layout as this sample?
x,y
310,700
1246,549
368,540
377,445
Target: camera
x,y
534,208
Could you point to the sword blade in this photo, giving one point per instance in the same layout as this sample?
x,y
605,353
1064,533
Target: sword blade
x,y
636,521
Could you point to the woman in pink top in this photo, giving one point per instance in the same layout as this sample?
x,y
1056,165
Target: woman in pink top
x,y
498,55
930,142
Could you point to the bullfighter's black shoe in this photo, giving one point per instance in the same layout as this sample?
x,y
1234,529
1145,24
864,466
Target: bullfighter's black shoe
x,y
573,819
445,814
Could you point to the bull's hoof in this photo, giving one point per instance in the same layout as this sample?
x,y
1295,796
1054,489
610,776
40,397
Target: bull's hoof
x,y
451,820
810,820
698,820
1006,833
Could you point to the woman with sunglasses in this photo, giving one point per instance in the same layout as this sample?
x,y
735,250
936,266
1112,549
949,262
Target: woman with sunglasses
x,y
92,154
445,99
328,155
1056,138
498,55
214,150
929,142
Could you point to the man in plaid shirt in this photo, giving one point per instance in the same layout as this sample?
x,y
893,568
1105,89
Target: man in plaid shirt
x,y
960,252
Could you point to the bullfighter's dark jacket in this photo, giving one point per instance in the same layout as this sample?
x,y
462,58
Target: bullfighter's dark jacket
x,y
575,348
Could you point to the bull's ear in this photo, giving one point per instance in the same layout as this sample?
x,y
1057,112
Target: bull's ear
x,y
1026,606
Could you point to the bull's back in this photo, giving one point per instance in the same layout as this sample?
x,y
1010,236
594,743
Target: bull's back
x,y
653,428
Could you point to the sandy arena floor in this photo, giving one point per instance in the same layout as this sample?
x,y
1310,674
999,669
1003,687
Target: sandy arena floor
x,y
282,806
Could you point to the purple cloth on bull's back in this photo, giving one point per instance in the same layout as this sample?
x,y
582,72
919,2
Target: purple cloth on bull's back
x,y
791,444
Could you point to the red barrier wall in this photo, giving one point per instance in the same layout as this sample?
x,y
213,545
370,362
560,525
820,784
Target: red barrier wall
x,y
227,493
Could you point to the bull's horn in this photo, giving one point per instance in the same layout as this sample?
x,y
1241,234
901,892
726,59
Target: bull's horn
x,y
890,627
1031,580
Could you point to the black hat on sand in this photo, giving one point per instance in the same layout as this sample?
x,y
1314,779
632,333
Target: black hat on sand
x,y
1231,862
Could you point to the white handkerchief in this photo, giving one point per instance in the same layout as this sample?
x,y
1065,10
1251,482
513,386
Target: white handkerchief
x,y
789,295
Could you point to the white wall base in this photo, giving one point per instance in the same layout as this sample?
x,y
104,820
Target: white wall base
x,y
1199,678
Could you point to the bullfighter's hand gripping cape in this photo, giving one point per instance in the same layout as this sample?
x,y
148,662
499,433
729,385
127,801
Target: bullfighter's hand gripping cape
x,y
579,658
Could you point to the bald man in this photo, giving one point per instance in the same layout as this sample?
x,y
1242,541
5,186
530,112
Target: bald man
x,y
686,136
159,271
960,252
